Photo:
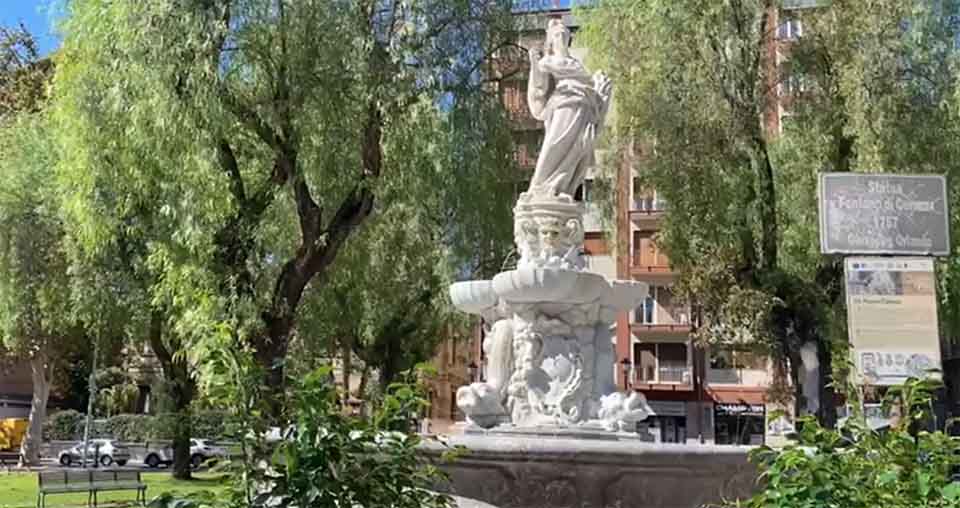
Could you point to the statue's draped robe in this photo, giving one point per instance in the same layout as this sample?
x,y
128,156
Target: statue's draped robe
x,y
572,115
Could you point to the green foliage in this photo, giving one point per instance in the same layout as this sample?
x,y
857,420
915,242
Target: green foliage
x,y
117,399
68,425
63,426
117,392
34,288
858,467
696,95
335,460
238,151
23,74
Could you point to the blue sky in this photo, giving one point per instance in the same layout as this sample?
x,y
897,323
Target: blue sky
x,y
37,15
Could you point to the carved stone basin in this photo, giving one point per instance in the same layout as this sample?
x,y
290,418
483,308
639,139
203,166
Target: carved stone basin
x,y
533,285
473,296
546,285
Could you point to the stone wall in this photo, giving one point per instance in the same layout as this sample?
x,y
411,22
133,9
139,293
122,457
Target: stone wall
x,y
542,472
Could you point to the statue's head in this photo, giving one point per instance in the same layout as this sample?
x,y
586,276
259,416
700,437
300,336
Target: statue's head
x,y
558,37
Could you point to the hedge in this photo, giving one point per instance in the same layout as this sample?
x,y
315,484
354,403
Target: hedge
x,y
68,426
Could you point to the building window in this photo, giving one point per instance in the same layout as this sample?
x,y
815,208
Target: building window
x,y
790,28
672,363
515,98
646,199
661,308
646,312
645,362
661,362
728,359
739,424
666,429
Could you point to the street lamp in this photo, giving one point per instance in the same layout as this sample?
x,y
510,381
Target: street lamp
x,y
625,369
473,371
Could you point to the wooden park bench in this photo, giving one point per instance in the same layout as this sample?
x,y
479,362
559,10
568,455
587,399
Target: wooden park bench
x,y
8,459
89,481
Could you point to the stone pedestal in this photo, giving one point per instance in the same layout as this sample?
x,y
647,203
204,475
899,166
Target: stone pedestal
x,y
545,472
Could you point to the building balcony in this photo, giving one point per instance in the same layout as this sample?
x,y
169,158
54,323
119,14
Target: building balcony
x,y
654,268
740,377
664,378
647,219
672,329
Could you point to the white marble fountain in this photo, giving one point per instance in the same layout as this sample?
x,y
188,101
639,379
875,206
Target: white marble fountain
x,y
548,428
550,361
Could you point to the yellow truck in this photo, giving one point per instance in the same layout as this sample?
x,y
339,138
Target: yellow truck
x,y
12,432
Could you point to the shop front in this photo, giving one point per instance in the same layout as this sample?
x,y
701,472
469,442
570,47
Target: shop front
x,y
667,423
739,423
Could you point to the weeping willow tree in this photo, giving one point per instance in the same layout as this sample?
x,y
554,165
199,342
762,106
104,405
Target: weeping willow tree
x,y
261,135
695,82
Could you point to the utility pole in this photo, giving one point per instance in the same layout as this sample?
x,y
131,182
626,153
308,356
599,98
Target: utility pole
x,y
90,402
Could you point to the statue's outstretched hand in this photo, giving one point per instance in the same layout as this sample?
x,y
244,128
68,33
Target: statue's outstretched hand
x,y
603,85
535,55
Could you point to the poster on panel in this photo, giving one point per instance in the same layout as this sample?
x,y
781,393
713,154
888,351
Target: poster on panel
x,y
892,319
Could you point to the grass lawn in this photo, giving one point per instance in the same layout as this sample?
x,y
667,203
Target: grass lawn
x,y
19,490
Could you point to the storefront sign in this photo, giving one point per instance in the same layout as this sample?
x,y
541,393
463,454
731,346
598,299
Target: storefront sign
x,y
884,214
739,409
892,318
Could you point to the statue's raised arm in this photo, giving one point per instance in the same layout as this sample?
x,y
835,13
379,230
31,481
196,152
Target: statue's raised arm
x,y
537,85
572,104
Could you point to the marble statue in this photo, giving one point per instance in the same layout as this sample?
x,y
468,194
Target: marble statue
x,y
572,104
549,348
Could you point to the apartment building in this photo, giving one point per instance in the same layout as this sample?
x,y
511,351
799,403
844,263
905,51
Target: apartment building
x,y
697,395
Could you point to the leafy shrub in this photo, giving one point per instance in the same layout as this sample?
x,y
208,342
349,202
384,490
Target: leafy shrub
x,y
63,425
331,459
68,426
118,399
209,424
858,467
125,427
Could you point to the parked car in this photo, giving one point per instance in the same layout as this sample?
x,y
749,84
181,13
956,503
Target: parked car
x,y
105,451
201,450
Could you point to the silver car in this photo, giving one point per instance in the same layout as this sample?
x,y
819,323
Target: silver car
x,y
201,450
105,451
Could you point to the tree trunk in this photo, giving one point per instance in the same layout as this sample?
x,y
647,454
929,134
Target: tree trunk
x,y
827,413
40,375
181,436
320,243
346,349
364,379
177,373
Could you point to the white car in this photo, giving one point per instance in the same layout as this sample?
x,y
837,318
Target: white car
x,y
105,451
201,450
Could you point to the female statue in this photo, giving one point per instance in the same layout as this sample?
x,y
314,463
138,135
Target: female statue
x,y
572,105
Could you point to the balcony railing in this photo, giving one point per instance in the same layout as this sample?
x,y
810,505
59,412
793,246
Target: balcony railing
x,y
664,374
647,205
675,315
674,373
